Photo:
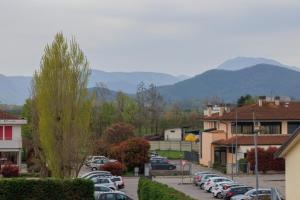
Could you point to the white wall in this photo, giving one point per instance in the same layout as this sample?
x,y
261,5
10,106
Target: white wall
x,y
173,134
16,142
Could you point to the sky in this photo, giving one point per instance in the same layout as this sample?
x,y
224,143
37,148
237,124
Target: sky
x,y
171,36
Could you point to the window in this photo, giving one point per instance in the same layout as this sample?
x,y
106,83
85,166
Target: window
x,y
8,133
242,128
1,132
270,127
292,126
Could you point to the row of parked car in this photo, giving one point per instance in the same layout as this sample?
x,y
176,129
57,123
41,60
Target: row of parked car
x,y
107,186
225,188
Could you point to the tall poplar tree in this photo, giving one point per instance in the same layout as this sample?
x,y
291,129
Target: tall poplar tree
x,y
63,106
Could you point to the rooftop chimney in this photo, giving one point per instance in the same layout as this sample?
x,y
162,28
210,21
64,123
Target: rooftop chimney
x,y
222,110
260,100
277,100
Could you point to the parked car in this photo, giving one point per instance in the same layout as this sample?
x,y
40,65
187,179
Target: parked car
x,y
153,154
233,191
96,164
113,196
211,182
102,189
158,158
94,174
220,187
91,159
197,176
119,181
204,178
161,164
252,193
105,182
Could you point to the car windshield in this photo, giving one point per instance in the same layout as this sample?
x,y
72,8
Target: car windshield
x,y
116,179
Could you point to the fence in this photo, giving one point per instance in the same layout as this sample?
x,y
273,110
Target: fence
x,y
175,145
191,156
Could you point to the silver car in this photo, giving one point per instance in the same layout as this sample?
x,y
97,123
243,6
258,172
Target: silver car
x,y
251,193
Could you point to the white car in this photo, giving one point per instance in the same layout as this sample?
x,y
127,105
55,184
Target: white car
x,y
220,187
101,189
105,182
210,183
93,174
251,193
119,181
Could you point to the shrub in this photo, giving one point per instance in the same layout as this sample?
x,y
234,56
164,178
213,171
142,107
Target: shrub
x,y
132,152
50,189
118,132
10,171
266,160
151,190
116,168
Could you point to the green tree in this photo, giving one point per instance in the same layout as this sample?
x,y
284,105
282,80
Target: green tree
x,y
245,100
63,106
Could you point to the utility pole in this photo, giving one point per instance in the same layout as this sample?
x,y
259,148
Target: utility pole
x,y
236,142
256,130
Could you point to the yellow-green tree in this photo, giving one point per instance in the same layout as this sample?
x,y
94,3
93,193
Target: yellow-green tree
x,y
63,106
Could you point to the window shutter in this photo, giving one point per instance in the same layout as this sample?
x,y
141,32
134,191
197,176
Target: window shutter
x,y
1,132
8,132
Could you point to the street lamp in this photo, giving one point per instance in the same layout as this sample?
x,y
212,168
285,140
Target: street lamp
x,y
256,129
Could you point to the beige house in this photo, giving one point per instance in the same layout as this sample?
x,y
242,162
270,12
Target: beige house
x,y
290,151
226,129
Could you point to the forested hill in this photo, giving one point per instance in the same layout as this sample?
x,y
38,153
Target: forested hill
x,y
261,79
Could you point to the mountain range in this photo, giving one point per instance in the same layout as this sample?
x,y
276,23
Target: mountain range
x,y
261,79
229,80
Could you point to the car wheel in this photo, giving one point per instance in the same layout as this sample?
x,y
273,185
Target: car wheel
x,y
94,169
219,196
170,167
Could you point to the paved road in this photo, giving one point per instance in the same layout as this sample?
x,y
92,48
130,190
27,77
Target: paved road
x,y
131,186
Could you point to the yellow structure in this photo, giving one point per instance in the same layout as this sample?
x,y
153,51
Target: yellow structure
x,y
291,152
191,138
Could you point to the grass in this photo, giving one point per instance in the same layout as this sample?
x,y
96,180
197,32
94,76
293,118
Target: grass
x,y
171,154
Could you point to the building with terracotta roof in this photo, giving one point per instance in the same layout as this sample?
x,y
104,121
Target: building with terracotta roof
x,y
10,138
290,151
275,119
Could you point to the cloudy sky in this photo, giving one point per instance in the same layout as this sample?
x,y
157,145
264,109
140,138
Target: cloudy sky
x,y
172,36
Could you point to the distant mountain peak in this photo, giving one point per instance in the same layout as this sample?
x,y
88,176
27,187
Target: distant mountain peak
x,y
244,62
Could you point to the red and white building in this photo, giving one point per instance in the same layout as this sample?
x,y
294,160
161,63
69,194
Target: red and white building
x,y
11,138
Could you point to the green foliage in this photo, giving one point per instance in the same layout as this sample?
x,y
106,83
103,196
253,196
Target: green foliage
x,y
245,100
50,189
63,106
219,167
26,113
170,154
151,190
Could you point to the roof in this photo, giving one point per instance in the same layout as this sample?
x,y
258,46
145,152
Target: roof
x,y
267,111
4,116
292,141
248,140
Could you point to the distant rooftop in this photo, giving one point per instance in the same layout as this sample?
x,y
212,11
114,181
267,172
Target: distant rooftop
x,y
7,116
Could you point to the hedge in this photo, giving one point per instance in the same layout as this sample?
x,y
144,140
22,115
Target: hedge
x,y
152,190
50,189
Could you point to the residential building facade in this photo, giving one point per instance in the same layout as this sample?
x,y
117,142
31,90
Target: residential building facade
x,y
273,118
10,138
290,151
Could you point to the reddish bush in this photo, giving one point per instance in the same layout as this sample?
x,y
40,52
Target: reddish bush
x,y
10,171
266,160
118,132
116,168
132,152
